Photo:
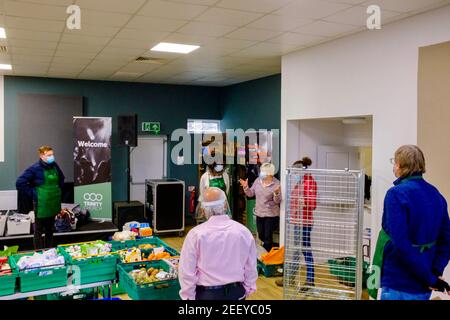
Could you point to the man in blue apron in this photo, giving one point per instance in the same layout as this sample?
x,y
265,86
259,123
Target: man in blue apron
x,y
413,247
43,182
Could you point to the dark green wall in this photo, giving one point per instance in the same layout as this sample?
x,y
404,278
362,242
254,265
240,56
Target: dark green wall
x,y
172,105
253,104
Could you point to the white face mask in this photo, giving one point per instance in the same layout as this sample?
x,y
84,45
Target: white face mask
x,y
218,168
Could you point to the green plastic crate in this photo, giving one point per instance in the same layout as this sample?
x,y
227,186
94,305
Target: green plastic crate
x,y
117,289
8,282
161,290
269,270
83,294
91,269
39,278
136,243
345,270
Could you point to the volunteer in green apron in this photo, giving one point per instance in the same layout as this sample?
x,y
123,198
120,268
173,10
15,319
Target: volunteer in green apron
x,y
43,182
215,176
413,246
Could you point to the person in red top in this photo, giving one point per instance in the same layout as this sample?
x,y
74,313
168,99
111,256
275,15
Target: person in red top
x,y
303,202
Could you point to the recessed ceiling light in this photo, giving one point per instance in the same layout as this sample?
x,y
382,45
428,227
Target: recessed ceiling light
x,y
174,47
2,33
5,67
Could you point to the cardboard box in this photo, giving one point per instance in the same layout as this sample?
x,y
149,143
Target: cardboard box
x,y
18,224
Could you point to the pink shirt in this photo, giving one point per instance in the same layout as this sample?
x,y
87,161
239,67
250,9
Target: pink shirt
x,y
217,252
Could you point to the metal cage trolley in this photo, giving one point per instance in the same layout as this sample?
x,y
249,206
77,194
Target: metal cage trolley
x,y
165,205
323,234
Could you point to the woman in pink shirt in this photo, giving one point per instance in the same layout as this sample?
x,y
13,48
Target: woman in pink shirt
x,y
267,191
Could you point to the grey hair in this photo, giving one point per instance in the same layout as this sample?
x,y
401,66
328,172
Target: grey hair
x,y
216,210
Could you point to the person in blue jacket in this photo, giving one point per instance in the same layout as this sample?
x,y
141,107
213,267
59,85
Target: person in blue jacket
x,y
414,244
43,182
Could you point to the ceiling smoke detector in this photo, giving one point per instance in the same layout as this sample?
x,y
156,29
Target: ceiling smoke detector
x,y
150,60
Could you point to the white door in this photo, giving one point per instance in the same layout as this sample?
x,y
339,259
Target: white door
x,y
148,161
339,158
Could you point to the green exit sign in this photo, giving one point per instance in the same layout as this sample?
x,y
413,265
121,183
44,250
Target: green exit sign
x,y
152,127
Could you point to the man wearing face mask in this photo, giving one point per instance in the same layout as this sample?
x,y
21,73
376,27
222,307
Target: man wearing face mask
x,y
43,182
267,191
218,258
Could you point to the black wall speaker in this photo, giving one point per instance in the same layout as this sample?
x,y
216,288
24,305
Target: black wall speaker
x,y
127,129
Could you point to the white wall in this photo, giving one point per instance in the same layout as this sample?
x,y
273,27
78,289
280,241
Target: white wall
x,y
369,73
2,121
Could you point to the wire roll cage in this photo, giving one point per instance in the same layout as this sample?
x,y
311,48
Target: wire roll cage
x,y
323,234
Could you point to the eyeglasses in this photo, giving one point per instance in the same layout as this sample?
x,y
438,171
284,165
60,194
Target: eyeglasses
x,y
392,160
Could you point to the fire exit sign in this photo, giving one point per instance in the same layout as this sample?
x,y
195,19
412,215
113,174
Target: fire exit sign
x,y
152,127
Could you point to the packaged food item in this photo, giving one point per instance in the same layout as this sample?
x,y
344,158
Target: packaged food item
x,y
88,249
130,255
38,260
146,246
124,235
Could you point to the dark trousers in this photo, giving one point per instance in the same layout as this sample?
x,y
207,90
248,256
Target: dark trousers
x,y
266,226
230,293
41,226
303,234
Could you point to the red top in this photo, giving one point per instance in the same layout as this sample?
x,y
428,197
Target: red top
x,y
308,187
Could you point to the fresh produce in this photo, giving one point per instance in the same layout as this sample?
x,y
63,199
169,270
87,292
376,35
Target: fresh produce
x,y
156,256
145,276
38,260
146,246
145,232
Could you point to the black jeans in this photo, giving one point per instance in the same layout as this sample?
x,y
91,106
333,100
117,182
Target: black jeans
x,y
266,226
231,293
41,226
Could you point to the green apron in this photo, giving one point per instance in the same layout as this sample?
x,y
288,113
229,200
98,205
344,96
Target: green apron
x,y
49,195
219,183
383,240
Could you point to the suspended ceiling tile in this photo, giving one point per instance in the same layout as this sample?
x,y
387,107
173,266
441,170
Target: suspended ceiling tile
x,y
108,19
32,44
357,16
93,30
278,23
403,5
171,10
291,38
325,29
84,40
34,10
34,24
311,9
252,34
262,6
228,17
32,35
118,6
143,35
155,24
208,29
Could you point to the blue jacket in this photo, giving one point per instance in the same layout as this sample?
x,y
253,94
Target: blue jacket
x,y
34,176
415,213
